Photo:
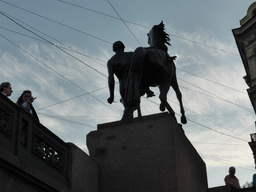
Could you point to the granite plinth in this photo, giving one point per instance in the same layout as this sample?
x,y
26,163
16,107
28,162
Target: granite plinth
x,y
150,153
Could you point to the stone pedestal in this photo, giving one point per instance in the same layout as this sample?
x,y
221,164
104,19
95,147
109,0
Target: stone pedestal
x,y
150,153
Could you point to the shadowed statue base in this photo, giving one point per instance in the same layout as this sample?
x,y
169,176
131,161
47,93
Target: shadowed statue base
x,y
150,153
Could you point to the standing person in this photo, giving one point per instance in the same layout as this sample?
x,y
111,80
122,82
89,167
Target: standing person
x,y
231,179
26,100
254,180
6,89
118,65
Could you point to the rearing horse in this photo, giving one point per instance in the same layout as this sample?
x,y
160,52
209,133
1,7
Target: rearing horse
x,y
152,66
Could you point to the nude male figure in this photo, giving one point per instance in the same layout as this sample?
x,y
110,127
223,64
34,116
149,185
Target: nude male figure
x,y
118,65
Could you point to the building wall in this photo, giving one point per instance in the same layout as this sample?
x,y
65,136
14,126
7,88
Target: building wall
x,y
245,37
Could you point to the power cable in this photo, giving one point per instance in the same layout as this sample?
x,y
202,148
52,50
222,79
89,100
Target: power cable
x,y
57,73
202,115
98,12
1,12
109,42
219,143
182,38
71,99
39,36
23,34
210,80
70,121
124,22
206,126
226,160
216,130
215,97
75,51
57,22
69,48
240,106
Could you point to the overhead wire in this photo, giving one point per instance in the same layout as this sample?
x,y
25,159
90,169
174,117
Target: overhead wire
x,y
70,99
209,80
219,143
226,160
57,72
240,106
124,22
106,61
181,70
75,51
118,18
48,41
203,115
11,18
37,35
66,48
67,120
59,23
112,17
215,130
4,14
50,67
207,127
111,43
219,98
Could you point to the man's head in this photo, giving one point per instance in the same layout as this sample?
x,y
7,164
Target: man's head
x,y
6,88
232,171
118,45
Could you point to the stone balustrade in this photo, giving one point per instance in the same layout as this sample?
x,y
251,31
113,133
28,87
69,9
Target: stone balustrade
x,y
30,141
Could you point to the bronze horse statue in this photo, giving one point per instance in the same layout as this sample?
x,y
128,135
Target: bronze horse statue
x,y
152,66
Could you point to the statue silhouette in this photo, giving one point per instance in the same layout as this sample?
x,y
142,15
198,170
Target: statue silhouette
x,y
152,66
119,65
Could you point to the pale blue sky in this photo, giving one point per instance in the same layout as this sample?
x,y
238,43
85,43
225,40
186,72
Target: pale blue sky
x,y
72,97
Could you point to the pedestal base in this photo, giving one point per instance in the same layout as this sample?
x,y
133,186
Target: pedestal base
x,y
150,153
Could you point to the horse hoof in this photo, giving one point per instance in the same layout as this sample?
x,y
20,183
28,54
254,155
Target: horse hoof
x,y
162,107
183,120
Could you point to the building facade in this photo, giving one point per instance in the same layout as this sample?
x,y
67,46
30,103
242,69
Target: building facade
x,y
245,37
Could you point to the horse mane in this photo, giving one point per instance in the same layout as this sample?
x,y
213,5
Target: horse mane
x,y
160,37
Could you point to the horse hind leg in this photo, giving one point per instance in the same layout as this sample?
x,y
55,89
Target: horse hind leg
x,y
175,86
163,98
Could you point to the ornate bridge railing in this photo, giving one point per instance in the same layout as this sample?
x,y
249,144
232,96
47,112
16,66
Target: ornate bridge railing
x,y
31,142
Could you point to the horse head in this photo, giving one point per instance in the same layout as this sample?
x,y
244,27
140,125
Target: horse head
x,y
158,38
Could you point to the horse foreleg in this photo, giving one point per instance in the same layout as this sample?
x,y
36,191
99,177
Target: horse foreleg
x,y
163,98
175,86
